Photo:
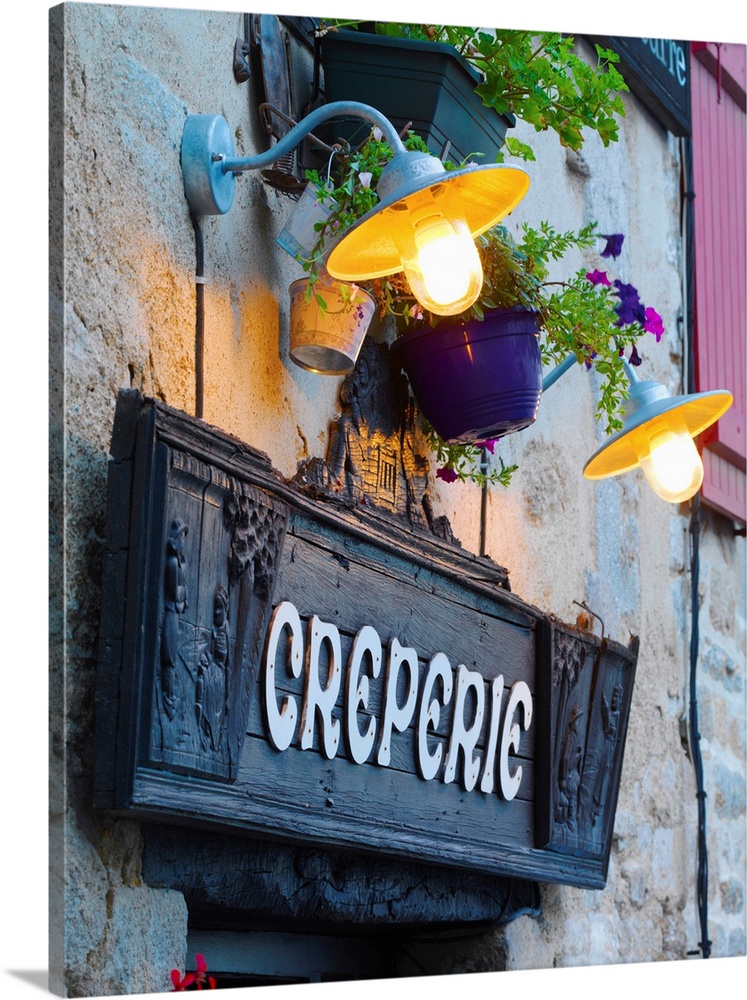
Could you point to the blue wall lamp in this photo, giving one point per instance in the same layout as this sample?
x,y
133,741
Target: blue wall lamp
x,y
424,223
657,435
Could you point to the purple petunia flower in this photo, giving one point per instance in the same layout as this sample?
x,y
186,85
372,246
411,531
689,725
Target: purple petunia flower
x,y
626,293
613,246
634,358
598,277
489,445
447,474
653,323
630,309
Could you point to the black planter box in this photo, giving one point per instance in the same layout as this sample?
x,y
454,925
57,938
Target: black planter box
x,y
426,83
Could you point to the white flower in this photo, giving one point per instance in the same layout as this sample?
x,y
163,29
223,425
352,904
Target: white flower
x,y
377,133
365,178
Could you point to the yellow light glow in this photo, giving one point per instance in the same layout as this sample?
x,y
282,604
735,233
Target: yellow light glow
x,y
672,465
442,265
377,245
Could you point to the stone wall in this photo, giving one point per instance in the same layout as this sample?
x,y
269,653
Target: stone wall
x,y
721,701
123,316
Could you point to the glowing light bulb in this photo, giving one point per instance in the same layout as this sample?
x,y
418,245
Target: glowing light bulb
x,y
658,435
672,465
444,272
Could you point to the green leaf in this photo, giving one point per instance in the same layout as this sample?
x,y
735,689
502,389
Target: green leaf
x,y
521,150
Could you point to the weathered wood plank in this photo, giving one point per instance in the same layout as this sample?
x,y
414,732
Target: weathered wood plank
x,y
227,879
395,798
173,797
431,573
421,606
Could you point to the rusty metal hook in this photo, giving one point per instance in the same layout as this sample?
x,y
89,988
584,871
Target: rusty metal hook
x,y
585,606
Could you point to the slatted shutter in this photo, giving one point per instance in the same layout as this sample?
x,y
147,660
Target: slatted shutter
x,y
719,140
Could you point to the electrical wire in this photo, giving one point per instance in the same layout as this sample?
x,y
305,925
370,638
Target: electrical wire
x,y
702,876
704,945
199,318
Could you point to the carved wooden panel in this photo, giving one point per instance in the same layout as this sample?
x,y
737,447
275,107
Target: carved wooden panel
x,y
222,544
327,674
585,725
377,454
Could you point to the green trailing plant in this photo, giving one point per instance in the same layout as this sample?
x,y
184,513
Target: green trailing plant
x,y
468,463
536,76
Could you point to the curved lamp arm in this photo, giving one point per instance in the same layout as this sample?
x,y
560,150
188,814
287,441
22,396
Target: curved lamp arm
x,y
299,132
570,360
424,222
552,377
210,166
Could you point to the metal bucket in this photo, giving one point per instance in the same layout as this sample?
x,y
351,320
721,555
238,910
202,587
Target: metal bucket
x,y
298,237
327,341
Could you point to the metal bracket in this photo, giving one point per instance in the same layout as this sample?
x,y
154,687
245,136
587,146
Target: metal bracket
x,y
273,45
586,626
206,143
241,69
209,163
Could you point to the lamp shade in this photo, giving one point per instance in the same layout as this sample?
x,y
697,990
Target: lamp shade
x,y
415,189
657,435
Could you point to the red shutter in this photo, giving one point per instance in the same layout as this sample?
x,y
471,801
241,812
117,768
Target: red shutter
x,y
719,139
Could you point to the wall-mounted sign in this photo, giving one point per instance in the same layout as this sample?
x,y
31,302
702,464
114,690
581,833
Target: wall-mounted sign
x,y
657,71
307,672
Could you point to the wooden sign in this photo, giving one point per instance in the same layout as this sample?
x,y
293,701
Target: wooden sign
x,y
322,673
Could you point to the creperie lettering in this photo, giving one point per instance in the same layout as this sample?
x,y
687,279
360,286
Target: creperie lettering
x,y
294,650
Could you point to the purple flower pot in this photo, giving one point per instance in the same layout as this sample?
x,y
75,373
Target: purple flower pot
x,y
476,380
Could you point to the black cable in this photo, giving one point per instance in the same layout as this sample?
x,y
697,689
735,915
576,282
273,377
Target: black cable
x,y
695,526
702,877
199,317
484,504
